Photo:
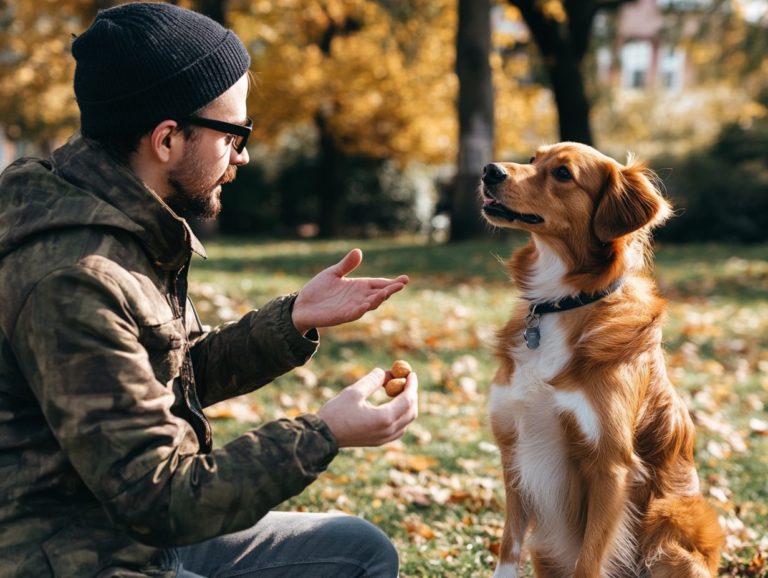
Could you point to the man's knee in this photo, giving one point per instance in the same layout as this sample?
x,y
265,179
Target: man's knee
x,y
368,544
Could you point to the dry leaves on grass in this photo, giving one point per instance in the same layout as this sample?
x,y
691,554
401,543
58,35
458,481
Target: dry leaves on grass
x,y
718,360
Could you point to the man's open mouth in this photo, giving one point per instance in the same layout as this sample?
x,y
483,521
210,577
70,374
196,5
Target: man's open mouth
x,y
496,209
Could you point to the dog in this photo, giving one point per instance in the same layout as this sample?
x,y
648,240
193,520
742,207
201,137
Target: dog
x,y
596,445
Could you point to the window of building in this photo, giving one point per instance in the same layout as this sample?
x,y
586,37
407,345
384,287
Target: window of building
x,y
636,59
671,67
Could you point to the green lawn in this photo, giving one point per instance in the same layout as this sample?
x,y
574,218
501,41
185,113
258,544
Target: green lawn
x,y
438,492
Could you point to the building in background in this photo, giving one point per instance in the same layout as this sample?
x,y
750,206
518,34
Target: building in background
x,y
650,39
647,49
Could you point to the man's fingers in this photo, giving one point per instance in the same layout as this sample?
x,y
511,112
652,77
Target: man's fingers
x,y
379,297
349,263
404,407
392,289
380,282
366,385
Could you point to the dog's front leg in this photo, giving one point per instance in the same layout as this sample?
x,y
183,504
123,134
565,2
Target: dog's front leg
x,y
605,511
515,523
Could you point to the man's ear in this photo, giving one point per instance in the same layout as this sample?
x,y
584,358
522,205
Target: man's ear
x,y
629,202
164,140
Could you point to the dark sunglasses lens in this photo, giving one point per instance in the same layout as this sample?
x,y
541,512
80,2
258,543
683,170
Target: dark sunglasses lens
x,y
239,143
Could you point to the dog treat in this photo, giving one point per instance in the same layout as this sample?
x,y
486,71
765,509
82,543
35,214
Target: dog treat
x,y
400,368
399,371
395,386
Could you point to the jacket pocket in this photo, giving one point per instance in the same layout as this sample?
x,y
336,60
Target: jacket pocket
x,y
166,345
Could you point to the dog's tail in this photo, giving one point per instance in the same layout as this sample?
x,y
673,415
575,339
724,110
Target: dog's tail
x,y
682,538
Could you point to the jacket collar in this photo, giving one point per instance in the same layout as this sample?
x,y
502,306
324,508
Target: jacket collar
x,y
167,237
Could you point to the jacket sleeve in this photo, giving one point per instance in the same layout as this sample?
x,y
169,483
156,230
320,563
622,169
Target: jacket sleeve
x,y
78,347
241,356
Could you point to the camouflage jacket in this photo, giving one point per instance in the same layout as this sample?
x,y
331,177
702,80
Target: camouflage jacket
x,y
105,454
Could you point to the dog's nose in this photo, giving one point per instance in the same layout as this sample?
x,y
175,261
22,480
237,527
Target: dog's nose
x,y
493,174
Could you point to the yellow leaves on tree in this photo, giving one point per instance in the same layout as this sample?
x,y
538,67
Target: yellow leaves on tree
x,y
384,85
553,10
36,69
379,73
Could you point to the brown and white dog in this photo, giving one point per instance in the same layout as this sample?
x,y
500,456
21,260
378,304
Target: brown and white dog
x,y
596,445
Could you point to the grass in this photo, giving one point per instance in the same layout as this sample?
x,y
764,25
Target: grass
x,y
438,492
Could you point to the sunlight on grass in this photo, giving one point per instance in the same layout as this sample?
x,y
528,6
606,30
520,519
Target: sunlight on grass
x,y
438,492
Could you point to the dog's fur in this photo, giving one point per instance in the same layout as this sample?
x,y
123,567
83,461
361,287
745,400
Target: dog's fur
x,y
596,445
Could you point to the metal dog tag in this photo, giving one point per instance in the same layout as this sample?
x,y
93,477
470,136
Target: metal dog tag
x,y
532,335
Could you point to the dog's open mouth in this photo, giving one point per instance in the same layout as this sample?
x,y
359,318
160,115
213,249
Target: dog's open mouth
x,y
496,209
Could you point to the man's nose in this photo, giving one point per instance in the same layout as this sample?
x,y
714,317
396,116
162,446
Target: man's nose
x,y
239,159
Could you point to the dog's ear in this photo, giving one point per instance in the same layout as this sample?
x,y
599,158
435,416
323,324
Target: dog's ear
x,y
629,202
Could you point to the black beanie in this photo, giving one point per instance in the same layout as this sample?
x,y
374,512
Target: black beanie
x,y
141,63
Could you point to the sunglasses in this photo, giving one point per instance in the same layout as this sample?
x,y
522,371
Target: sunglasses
x,y
239,132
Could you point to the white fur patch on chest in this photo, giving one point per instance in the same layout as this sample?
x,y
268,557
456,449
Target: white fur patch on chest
x,y
531,407
577,404
528,406
546,282
505,571
536,368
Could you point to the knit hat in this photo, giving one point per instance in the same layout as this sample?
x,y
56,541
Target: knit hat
x,y
141,63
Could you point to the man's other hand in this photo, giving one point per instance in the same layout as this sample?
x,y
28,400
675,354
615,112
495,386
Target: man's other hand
x,y
355,422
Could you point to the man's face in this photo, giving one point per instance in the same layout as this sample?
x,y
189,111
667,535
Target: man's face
x,y
196,185
209,159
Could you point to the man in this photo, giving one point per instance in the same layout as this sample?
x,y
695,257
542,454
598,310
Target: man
x,y
106,456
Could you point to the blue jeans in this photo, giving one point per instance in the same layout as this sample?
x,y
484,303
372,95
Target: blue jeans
x,y
293,545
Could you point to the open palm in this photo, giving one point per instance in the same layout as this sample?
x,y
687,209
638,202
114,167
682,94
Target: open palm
x,y
330,298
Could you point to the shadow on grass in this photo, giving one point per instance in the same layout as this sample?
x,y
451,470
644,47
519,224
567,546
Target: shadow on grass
x,y
455,261
735,272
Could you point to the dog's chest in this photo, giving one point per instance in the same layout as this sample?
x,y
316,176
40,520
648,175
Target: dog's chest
x,y
532,408
529,388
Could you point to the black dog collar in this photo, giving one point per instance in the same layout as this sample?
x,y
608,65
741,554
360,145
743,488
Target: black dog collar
x,y
532,334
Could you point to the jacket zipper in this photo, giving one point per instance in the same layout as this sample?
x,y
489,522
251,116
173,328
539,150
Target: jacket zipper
x,y
199,422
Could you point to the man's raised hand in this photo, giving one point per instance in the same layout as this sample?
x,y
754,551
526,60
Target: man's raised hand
x,y
331,298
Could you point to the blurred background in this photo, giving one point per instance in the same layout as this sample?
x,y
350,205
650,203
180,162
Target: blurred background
x,y
375,117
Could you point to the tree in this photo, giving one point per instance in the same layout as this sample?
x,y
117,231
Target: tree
x,y
341,78
36,68
369,80
561,30
475,112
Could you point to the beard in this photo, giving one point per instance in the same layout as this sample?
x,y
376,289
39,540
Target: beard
x,y
195,193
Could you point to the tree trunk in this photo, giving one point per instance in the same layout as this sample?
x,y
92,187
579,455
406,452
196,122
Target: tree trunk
x,y
570,98
475,107
328,185
562,47
331,195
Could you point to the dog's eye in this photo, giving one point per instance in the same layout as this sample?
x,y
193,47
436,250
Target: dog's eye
x,y
532,160
563,174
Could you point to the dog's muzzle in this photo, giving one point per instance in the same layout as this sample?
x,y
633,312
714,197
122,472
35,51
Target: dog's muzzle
x,y
493,175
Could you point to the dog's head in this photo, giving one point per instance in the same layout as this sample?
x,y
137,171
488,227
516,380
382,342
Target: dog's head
x,y
573,192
